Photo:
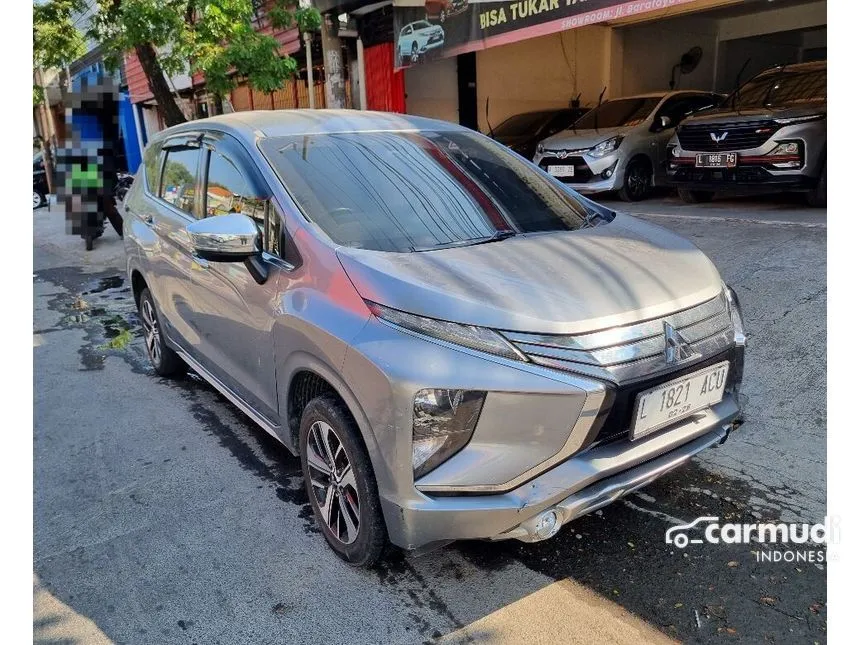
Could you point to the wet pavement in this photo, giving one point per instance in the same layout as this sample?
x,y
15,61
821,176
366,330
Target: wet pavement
x,y
163,515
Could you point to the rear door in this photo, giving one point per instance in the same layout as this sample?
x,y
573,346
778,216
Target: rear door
x,y
169,202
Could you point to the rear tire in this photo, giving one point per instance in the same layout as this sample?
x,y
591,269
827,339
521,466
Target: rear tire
x,y
695,196
817,198
637,181
165,361
340,482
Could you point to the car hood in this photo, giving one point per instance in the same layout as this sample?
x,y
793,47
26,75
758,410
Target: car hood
x,y
728,115
560,283
581,139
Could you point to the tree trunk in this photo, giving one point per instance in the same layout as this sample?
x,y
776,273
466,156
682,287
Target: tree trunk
x,y
158,84
217,103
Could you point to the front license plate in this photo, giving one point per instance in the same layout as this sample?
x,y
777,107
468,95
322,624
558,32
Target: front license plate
x,y
722,160
665,404
561,171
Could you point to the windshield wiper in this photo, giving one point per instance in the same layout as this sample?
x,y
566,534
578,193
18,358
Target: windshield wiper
x,y
495,237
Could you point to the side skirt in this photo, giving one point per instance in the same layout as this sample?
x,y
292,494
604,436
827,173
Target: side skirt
x,y
255,416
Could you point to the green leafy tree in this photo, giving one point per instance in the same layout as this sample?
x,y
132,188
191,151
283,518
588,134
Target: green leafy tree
x,y
57,41
215,37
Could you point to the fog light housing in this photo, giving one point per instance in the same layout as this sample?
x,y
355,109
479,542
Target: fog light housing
x,y
548,523
606,174
442,424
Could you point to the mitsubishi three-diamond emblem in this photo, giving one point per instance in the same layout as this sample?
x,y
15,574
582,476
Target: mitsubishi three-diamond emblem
x,y
678,350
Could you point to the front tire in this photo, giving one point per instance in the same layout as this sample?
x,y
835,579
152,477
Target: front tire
x,y
695,196
340,482
414,57
38,199
165,361
637,181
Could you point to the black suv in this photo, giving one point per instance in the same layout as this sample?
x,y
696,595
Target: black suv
x,y
770,135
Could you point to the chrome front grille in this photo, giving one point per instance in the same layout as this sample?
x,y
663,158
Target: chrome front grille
x,y
623,354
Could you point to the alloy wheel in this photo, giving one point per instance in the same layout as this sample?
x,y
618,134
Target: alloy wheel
x,y
638,181
333,482
37,199
151,331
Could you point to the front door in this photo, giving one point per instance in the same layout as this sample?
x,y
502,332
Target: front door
x,y
233,314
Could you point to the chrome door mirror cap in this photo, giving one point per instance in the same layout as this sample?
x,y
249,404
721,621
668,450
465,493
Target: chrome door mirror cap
x,y
225,238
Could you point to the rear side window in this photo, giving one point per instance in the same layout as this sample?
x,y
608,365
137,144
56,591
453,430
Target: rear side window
x,y
152,164
179,178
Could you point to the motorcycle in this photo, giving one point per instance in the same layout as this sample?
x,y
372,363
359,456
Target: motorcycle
x,y
124,181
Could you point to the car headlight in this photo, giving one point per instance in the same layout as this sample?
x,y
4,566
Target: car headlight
x,y
443,422
605,147
800,119
477,338
736,314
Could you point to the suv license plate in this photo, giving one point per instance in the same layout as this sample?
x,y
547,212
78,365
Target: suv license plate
x,y
665,404
722,160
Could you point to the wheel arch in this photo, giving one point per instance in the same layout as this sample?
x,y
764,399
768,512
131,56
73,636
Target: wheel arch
x,y
307,377
138,284
644,158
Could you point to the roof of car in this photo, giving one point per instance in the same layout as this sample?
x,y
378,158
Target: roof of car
x,y
258,124
798,67
650,95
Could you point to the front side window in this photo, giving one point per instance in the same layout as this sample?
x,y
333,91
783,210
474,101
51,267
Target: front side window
x,y
229,191
418,191
179,178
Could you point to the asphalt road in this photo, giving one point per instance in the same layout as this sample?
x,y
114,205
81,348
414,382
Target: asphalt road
x,y
163,516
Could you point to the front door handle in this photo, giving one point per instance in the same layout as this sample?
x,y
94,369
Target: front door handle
x,y
148,219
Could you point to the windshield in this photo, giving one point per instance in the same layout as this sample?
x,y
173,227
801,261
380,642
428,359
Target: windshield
x,y
782,88
528,123
619,113
409,191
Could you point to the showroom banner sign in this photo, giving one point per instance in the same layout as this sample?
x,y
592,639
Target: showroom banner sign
x,y
442,28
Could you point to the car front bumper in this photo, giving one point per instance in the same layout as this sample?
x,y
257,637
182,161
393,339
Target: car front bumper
x,y
577,486
747,179
592,175
545,439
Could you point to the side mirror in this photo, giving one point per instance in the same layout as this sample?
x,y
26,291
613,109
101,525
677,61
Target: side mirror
x,y
229,238
662,123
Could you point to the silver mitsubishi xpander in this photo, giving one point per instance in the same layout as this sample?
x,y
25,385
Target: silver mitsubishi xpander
x,y
456,344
